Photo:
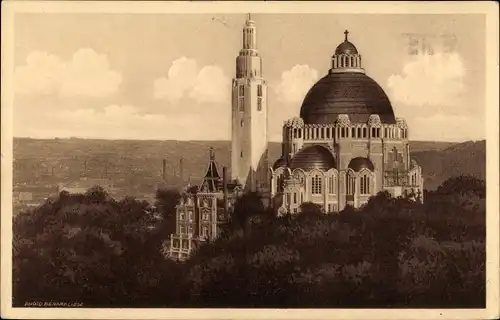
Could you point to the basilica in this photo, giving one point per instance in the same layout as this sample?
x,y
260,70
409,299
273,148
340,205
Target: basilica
x,y
345,146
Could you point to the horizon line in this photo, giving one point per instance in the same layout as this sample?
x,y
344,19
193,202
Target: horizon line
x,y
206,140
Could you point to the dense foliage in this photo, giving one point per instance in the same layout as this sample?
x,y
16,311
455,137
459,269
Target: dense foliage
x,y
391,253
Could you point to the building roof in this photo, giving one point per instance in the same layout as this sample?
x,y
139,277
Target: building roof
x,y
346,47
360,163
351,93
280,162
313,157
212,182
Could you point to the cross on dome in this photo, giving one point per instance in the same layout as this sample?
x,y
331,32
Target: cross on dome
x,y
346,32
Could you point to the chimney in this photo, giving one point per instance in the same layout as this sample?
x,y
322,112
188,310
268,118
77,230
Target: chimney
x,y
181,169
224,189
164,170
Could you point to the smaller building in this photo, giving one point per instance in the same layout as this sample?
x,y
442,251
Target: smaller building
x,y
202,211
29,196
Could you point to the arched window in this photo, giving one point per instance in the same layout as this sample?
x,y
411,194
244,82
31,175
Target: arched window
x,y
365,184
316,184
353,132
332,185
280,183
350,183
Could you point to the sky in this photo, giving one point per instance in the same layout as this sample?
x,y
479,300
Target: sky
x,y
168,76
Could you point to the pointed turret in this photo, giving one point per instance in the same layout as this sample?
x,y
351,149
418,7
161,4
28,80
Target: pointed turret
x,y
212,180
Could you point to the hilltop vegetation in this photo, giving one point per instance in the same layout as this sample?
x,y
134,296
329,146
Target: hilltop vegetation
x,y
129,162
391,253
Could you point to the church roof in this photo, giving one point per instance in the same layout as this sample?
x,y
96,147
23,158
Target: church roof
x,y
360,163
280,162
212,180
313,157
346,47
354,94
346,91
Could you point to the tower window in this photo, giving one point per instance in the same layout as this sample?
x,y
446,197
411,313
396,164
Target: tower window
x,y
241,91
241,123
241,153
241,103
353,132
259,104
359,132
365,133
259,90
316,185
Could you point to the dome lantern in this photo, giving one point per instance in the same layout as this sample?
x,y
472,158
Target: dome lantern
x,y
346,57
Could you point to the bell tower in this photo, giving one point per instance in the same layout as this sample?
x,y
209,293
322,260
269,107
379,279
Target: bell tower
x,y
249,149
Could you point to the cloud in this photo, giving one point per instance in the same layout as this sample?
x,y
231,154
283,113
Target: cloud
x,y
295,83
185,80
429,80
87,73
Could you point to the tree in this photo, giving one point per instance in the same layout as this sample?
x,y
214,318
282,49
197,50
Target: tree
x,y
166,202
463,184
248,205
86,248
309,209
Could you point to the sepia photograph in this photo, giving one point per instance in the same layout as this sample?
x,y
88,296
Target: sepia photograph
x,y
249,156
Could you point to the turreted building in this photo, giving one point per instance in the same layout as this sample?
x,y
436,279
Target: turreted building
x,y
202,210
347,144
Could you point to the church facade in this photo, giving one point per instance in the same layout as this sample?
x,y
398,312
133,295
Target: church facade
x,y
346,145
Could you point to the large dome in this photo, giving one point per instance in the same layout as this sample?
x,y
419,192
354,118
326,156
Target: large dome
x,y
351,93
313,157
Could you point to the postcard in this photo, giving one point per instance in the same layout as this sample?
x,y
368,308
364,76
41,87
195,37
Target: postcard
x,y
262,160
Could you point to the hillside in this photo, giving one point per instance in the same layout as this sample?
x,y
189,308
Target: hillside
x,y
463,158
139,163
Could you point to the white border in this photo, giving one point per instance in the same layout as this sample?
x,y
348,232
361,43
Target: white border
x,y
490,9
